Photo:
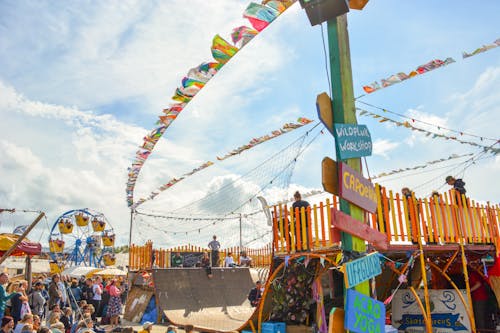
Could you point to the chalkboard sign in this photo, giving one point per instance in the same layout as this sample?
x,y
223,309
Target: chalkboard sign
x,y
189,259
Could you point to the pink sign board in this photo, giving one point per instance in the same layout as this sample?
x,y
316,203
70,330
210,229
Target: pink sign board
x,y
356,189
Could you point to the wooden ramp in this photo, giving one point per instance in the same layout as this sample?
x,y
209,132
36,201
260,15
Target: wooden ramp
x,y
188,296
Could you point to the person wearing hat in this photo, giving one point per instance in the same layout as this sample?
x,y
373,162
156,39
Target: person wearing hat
x,y
7,324
4,297
146,327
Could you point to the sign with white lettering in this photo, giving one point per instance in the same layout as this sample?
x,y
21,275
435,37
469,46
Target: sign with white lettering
x,y
352,140
361,269
448,313
364,314
356,189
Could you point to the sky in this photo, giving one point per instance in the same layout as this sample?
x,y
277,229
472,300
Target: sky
x,y
82,83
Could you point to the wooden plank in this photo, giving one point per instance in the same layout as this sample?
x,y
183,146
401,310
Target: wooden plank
x,y
336,322
325,113
329,177
137,302
356,228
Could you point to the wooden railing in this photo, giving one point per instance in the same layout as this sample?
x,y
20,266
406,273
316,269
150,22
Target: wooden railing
x,y
145,257
140,257
446,218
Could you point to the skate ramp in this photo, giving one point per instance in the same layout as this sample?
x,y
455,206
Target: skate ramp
x,y
188,296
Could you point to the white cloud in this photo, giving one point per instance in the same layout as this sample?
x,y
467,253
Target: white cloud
x,y
383,147
79,82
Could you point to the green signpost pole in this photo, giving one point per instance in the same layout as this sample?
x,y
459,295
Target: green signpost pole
x,y
344,112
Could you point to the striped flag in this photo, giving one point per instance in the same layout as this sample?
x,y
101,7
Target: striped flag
x,y
19,230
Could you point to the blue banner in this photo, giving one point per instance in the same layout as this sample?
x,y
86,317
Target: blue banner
x,y
364,314
439,320
352,140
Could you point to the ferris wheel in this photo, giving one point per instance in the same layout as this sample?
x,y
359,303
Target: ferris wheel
x,y
81,237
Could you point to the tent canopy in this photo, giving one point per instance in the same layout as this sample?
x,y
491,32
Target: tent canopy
x,y
79,271
26,247
111,271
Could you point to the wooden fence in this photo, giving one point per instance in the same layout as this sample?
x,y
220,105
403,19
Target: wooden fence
x,y
442,219
145,257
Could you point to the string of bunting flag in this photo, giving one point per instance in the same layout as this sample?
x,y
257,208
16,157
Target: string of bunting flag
x,y
428,133
422,69
421,166
439,127
259,16
288,127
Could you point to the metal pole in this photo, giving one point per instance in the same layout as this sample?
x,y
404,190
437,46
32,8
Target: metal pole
x,y
21,238
130,232
241,237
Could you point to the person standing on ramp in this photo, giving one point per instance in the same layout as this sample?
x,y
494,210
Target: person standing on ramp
x,y
214,246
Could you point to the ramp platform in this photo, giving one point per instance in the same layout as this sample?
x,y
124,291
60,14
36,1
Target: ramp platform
x,y
188,296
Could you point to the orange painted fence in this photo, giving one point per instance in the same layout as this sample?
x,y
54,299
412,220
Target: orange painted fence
x,y
445,218
145,257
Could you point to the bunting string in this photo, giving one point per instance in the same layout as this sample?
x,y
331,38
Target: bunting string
x,y
400,77
421,166
428,133
288,127
482,49
422,69
461,133
259,16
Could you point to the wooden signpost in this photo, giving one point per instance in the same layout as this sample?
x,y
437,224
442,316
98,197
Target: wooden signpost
x,y
361,269
329,176
324,109
352,140
359,229
356,189
364,314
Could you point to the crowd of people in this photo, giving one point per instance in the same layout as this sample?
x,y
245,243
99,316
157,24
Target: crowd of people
x,y
60,304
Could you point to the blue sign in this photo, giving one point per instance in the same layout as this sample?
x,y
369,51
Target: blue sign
x,y
362,269
364,314
352,140
439,320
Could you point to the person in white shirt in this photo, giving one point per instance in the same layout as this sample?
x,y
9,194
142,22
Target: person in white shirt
x,y
229,260
245,261
27,320
96,299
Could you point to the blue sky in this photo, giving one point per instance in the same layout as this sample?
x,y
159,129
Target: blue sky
x,y
81,83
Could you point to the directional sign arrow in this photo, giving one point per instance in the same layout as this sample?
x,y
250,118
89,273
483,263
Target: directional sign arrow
x,y
324,108
354,227
329,177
